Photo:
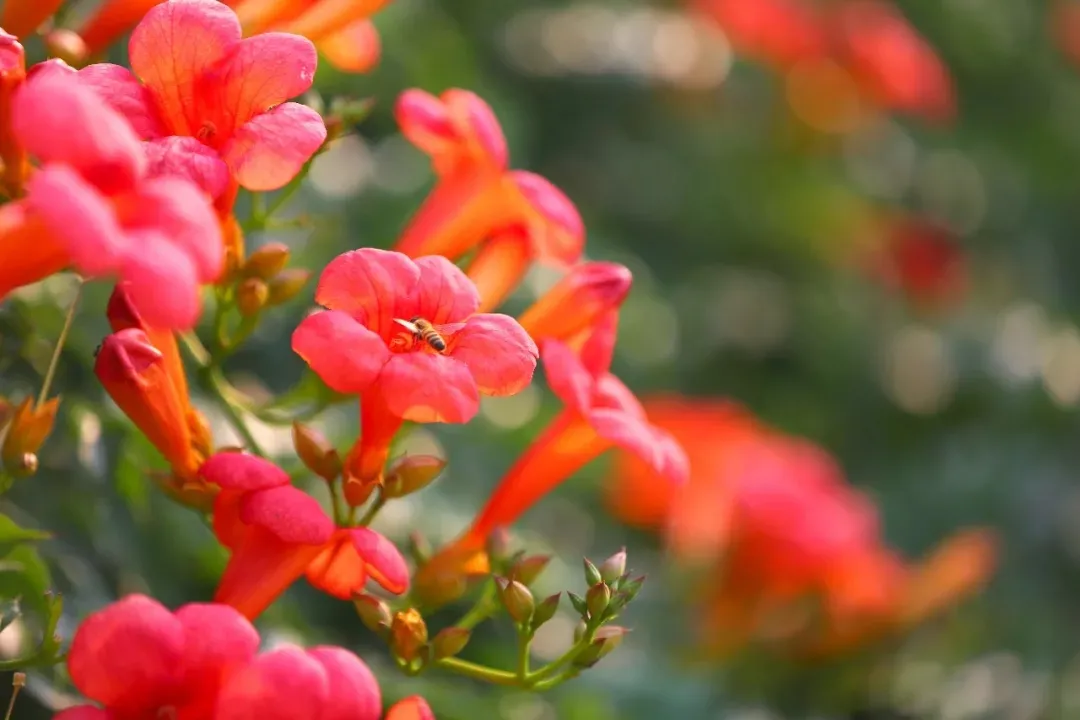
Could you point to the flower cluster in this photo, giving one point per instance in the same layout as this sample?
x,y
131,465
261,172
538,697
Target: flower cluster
x,y
775,524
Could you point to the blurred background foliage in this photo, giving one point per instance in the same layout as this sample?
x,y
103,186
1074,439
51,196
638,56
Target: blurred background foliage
x,y
750,219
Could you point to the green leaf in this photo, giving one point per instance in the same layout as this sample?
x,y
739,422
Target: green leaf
x,y
12,535
24,575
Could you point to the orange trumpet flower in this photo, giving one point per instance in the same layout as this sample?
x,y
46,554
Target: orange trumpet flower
x,y
477,198
23,17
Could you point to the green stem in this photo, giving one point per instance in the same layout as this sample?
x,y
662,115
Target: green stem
x,y
542,685
373,510
261,212
215,382
335,503
54,362
525,637
478,672
481,609
564,659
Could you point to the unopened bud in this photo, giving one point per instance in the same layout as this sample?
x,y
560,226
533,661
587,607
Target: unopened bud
x,y
412,473
592,574
631,588
251,296
267,261
606,640
232,237
315,452
408,634
545,610
527,569
30,425
202,438
66,45
579,604
597,599
287,284
373,612
517,600
613,568
449,642
579,631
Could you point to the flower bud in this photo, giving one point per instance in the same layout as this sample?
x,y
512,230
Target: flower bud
x,y
30,425
579,604
449,642
287,284
408,634
578,301
373,612
579,631
592,574
232,237
527,569
517,600
545,610
614,567
631,588
315,452
412,473
597,599
267,261
67,46
606,640
251,296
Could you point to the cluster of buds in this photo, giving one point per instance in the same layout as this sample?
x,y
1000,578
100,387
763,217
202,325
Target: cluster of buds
x,y
611,588
265,280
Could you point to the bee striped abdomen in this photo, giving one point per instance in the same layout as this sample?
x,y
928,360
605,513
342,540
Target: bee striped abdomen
x,y
426,331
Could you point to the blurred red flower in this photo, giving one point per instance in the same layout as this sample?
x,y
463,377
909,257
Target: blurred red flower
x,y
212,106
516,217
93,204
139,660
364,344
921,260
777,32
276,533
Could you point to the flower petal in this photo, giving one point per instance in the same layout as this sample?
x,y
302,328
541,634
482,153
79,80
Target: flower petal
x,y
125,94
338,569
367,284
261,567
282,684
240,471
58,120
345,354
78,217
384,561
355,48
555,226
28,252
353,687
499,353
289,513
268,151
85,712
127,656
566,376
656,447
186,157
258,73
217,640
162,280
444,294
424,387
424,121
171,49
182,213
477,125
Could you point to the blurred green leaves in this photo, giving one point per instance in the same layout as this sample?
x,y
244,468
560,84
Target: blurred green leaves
x,y
25,596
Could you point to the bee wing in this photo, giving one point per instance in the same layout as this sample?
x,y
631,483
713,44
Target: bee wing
x,y
408,326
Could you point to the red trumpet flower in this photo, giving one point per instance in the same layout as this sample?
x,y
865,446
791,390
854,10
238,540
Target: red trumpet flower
x,y
600,413
92,204
277,533
368,343
521,215
212,105
138,660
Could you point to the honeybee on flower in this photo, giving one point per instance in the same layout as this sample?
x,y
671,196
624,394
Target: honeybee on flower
x,y
423,330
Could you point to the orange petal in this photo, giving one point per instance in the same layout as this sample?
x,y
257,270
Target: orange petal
x,y
958,567
325,17
261,567
365,463
258,16
338,569
112,19
355,48
23,17
27,251
461,210
499,267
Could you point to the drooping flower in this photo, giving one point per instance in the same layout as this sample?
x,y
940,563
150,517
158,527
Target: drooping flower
x,y
23,17
92,204
213,106
364,344
572,308
276,534
137,659
599,414
477,198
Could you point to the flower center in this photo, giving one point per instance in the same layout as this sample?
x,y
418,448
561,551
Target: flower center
x,y
206,133
417,334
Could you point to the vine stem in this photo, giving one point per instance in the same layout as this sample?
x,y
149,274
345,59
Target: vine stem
x,y
54,361
479,672
376,506
481,609
525,637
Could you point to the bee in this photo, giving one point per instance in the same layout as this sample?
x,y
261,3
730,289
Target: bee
x,y
424,330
